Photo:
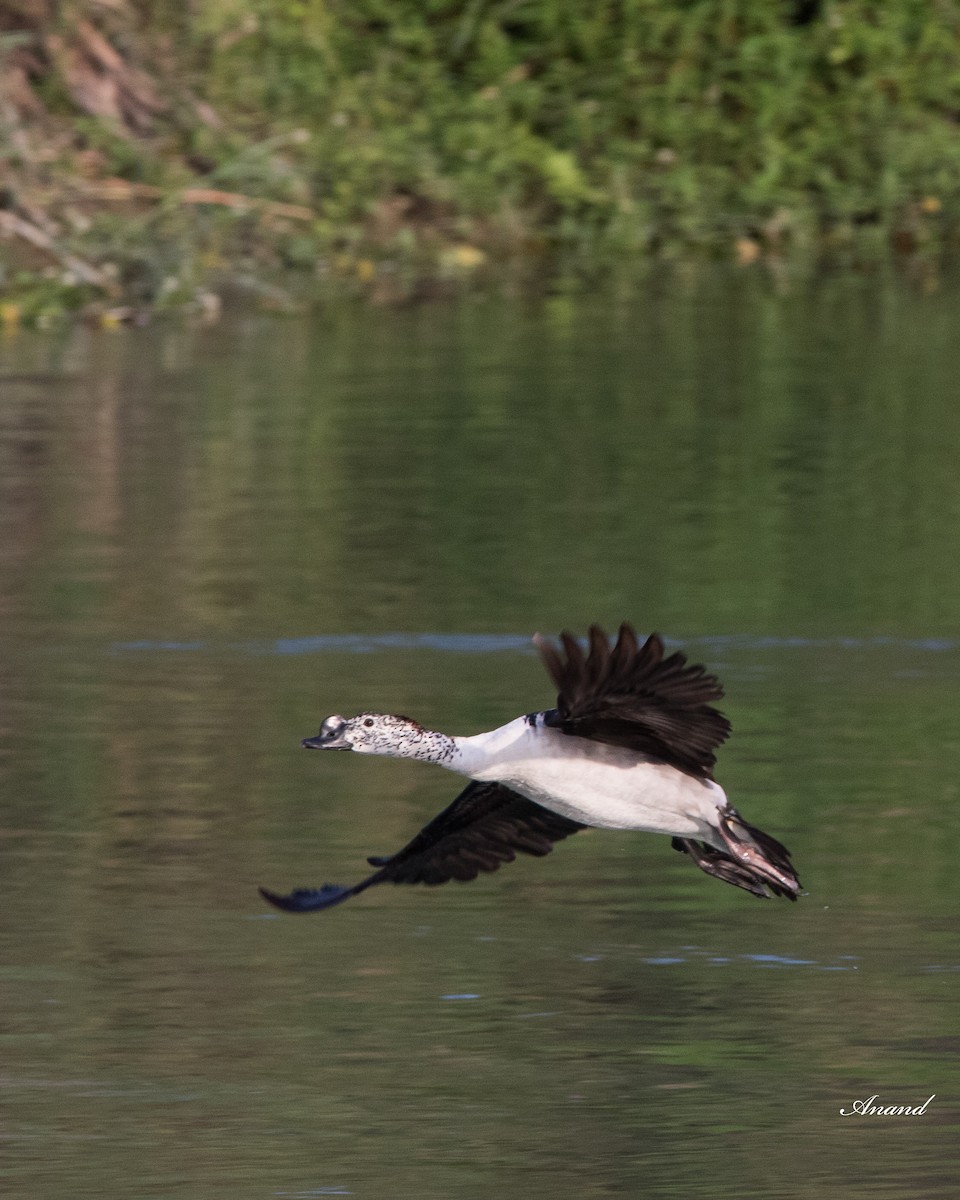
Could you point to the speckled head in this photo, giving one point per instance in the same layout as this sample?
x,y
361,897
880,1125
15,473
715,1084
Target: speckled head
x,y
378,733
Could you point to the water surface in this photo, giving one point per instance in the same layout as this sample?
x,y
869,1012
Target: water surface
x,y
210,538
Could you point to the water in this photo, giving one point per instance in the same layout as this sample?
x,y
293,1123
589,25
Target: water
x,y
211,538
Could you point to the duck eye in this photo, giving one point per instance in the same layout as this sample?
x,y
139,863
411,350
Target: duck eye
x,y
369,722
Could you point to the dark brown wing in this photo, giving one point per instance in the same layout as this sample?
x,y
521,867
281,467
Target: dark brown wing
x,y
484,827
631,695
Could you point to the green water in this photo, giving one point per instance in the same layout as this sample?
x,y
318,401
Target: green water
x,y
211,538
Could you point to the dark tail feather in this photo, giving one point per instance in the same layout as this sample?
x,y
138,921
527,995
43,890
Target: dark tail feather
x,y
752,860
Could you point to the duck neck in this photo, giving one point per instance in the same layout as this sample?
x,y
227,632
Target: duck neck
x,y
460,754
465,755
477,756
427,746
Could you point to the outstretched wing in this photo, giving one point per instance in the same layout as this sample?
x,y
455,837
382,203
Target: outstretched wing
x,y
631,695
484,827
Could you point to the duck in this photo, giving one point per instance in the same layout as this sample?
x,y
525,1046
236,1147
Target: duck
x,y
630,744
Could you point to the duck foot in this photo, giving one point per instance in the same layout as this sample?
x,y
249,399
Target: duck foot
x,y
759,853
715,862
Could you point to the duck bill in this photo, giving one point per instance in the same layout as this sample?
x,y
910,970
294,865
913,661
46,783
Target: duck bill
x,y
326,741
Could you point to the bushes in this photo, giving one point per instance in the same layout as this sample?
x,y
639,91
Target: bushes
x,y
711,114
611,129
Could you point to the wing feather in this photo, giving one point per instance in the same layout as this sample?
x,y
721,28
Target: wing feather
x,y
483,828
632,695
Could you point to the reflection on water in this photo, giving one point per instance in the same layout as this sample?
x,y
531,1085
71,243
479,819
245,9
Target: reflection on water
x,y
479,643
209,539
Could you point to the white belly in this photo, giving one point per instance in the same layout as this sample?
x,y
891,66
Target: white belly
x,y
603,785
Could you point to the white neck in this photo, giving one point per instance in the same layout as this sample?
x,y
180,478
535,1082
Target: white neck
x,y
478,753
465,755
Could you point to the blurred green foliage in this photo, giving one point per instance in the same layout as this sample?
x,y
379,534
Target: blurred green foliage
x,y
424,139
636,121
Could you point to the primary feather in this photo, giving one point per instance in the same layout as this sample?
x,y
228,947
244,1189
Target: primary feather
x,y
632,696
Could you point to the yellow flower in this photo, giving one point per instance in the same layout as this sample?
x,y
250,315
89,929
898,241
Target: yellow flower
x,y
466,256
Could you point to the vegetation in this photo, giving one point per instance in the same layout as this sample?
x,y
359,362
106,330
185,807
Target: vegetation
x,y
160,154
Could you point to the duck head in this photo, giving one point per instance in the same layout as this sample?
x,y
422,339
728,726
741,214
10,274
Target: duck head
x,y
368,733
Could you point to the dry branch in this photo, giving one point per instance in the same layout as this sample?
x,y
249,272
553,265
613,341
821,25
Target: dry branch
x,y
122,190
13,226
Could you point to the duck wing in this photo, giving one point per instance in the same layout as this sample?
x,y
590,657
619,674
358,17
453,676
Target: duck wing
x,y
638,697
484,827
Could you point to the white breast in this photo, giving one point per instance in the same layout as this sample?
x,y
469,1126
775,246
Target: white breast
x,y
589,782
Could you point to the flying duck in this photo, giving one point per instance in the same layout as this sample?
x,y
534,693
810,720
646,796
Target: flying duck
x,y
629,745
